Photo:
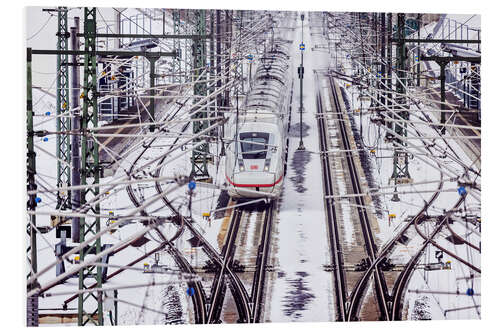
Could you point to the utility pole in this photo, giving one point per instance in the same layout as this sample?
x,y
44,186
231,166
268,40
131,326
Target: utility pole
x,y
212,65
228,33
218,73
200,156
383,73
152,84
63,123
90,303
75,126
400,173
388,79
301,78
176,61
419,24
118,27
239,68
32,301
188,50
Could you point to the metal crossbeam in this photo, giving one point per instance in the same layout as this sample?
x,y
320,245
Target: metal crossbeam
x,y
418,40
90,304
107,53
174,36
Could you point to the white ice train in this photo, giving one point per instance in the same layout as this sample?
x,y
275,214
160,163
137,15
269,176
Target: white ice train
x,y
256,157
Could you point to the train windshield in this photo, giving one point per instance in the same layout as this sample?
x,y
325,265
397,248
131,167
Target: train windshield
x,y
254,145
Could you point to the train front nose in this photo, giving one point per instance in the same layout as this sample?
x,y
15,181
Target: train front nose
x,y
249,184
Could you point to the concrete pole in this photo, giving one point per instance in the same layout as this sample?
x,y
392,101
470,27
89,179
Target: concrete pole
x,y
152,62
118,27
75,144
442,77
419,24
383,74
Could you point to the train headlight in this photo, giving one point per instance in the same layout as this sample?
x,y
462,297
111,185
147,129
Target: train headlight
x,y
267,164
241,165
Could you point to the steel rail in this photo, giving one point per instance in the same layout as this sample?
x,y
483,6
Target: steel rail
x,y
219,287
389,247
404,277
370,245
332,223
261,264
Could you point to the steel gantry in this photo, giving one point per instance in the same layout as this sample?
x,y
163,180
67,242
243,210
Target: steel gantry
x,y
90,303
63,122
200,156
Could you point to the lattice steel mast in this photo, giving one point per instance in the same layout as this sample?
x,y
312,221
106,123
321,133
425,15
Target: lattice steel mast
x,y
400,173
90,303
63,123
200,156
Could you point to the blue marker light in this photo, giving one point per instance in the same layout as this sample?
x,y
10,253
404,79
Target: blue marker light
x,y
470,292
190,291
38,199
462,191
47,113
302,46
191,185
45,139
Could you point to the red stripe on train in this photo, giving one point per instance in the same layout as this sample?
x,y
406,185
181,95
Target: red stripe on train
x,y
254,185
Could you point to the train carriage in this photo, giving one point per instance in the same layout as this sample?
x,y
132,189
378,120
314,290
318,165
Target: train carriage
x,y
256,156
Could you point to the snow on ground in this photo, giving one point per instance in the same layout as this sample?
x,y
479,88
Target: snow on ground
x,y
302,290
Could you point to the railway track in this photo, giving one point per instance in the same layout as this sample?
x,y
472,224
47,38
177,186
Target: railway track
x,y
237,288
219,286
199,297
403,278
261,264
370,245
250,307
332,223
405,275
